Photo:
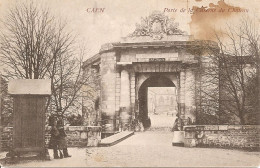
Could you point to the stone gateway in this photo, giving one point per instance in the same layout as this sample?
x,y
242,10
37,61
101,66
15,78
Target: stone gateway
x,y
156,54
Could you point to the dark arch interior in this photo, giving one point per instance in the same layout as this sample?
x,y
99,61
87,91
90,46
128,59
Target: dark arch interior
x,y
153,81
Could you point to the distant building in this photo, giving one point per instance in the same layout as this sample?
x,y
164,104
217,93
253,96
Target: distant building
x,y
162,101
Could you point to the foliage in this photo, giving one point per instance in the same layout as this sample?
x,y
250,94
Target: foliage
x,y
75,120
6,105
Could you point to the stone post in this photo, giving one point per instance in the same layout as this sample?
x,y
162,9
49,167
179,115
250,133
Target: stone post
x,y
125,102
190,95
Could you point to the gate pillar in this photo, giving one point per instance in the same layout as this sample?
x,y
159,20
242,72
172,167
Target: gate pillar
x,y
125,102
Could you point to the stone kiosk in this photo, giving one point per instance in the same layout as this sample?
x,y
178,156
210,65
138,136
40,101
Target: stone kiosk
x,y
29,116
156,54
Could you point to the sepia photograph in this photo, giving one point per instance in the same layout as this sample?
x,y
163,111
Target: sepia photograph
x,y
130,83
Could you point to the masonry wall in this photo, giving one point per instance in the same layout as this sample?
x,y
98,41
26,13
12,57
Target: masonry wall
x,y
224,136
77,136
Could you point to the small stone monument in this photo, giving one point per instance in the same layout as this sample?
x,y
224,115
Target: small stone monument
x,y
29,106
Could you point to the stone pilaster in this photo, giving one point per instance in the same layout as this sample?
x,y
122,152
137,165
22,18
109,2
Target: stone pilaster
x,y
125,89
118,90
132,83
125,101
182,94
190,95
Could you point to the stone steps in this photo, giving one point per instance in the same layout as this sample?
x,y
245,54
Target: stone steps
x,y
116,138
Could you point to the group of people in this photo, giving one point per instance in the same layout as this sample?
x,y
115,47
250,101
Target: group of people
x,y
58,140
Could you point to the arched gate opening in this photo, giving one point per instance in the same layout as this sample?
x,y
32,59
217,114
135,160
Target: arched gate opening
x,y
160,83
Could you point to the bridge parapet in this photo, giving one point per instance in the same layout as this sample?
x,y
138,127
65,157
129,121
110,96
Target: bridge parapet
x,y
223,136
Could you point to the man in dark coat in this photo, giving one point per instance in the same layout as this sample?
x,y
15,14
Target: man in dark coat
x,y
62,141
53,144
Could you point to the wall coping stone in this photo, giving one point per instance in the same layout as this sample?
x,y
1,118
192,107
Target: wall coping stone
x,y
219,127
67,128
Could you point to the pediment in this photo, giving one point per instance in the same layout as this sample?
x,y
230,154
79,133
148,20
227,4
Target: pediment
x,y
157,26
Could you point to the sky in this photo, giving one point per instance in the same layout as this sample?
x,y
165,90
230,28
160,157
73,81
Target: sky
x,y
120,16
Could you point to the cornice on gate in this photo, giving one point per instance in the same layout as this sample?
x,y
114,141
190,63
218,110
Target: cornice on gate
x,y
195,44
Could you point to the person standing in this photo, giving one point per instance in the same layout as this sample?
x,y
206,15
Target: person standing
x,y
175,125
53,144
62,140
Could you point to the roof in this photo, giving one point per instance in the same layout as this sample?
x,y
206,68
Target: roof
x,y
91,60
29,87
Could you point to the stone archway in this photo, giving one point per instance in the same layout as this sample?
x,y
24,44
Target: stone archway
x,y
126,67
155,80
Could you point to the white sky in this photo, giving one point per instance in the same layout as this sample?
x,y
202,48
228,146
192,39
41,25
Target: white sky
x,y
120,16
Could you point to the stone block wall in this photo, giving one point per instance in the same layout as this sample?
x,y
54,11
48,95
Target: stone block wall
x,y
223,136
108,88
6,139
77,136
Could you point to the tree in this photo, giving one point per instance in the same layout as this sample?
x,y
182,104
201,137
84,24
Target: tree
x,y
67,81
35,45
251,34
208,88
228,80
28,42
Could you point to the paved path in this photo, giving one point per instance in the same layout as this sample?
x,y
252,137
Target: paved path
x,y
151,149
162,120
